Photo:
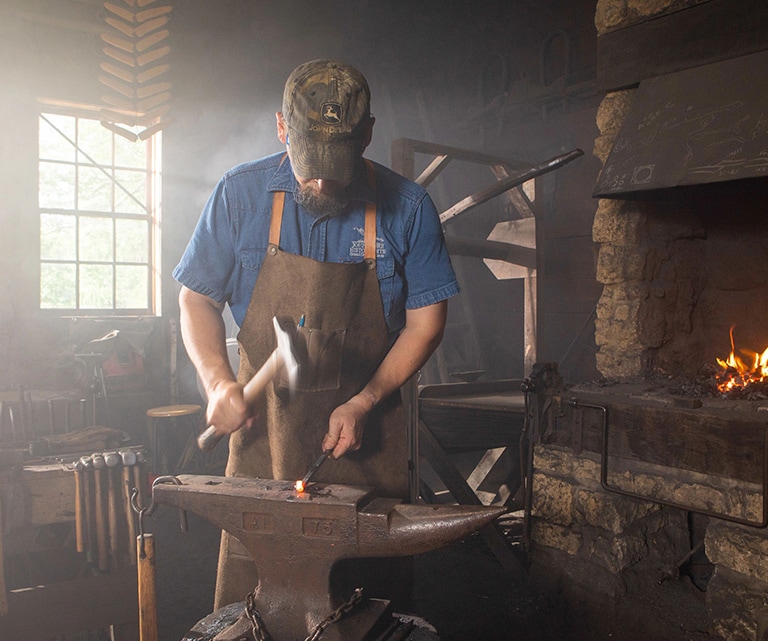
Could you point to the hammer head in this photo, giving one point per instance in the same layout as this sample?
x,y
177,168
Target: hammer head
x,y
286,355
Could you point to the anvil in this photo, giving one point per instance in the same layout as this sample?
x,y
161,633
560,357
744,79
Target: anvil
x,y
296,537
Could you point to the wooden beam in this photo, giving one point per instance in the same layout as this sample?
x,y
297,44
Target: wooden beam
x,y
479,248
457,486
701,34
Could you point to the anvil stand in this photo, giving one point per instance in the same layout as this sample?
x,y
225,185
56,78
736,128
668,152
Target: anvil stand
x,y
296,537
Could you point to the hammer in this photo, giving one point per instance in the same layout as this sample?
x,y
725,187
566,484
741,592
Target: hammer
x,y
102,525
111,460
129,461
281,357
89,507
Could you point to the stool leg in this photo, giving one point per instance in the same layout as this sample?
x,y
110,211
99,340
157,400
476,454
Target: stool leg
x,y
191,450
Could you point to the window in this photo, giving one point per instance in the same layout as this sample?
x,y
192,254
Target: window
x,y
97,195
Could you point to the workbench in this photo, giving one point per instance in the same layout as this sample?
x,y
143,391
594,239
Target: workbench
x,y
48,589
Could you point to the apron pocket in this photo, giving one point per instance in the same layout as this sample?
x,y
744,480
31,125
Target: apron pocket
x,y
319,357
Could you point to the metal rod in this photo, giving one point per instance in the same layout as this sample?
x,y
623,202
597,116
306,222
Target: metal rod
x,y
504,185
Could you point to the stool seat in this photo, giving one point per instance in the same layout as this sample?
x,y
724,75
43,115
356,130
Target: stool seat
x,y
166,417
170,411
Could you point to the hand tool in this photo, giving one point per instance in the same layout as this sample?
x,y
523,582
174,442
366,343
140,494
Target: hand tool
x,y
302,484
129,461
282,357
80,522
111,460
90,508
102,531
145,546
138,474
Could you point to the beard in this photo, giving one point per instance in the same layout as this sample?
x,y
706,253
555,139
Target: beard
x,y
320,205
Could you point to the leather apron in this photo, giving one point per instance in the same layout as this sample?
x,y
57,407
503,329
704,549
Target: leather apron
x,y
340,345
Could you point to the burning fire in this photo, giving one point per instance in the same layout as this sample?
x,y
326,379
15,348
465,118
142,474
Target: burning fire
x,y
738,373
299,486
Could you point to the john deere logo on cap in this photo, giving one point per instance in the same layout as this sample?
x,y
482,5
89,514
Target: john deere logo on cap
x,y
330,113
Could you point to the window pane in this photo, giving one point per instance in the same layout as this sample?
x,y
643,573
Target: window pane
x,y
95,286
132,241
58,237
130,154
94,143
96,221
95,239
131,192
57,286
57,186
131,287
94,191
57,145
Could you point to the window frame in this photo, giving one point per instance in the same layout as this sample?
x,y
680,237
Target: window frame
x,y
153,218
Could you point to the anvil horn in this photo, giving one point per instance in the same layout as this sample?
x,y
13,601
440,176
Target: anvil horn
x,y
296,537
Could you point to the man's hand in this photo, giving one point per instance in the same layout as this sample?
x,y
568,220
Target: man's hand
x,y
419,338
227,409
346,425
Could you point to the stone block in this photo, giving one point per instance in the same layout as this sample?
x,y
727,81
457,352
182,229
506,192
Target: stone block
x,y
575,578
650,8
610,14
739,548
563,463
736,606
611,512
552,499
601,148
617,222
612,111
620,364
620,263
555,536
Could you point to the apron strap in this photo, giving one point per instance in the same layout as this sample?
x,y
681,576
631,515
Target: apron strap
x,y
369,236
278,200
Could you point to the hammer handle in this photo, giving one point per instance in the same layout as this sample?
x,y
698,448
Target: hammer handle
x,y
211,436
102,527
81,525
147,595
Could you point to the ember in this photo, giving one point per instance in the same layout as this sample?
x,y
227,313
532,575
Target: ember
x,y
737,373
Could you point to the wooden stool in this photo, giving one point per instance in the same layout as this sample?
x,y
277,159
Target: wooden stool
x,y
171,415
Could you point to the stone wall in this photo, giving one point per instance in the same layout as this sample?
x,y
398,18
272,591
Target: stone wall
x,y
599,541
672,265
615,558
650,268
736,594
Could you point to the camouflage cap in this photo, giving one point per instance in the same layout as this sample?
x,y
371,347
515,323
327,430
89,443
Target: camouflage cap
x,y
326,107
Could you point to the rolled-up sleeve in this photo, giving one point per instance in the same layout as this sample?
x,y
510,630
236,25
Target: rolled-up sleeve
x,y
208,262
429,274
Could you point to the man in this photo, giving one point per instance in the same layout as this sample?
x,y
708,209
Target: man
x,y
350,258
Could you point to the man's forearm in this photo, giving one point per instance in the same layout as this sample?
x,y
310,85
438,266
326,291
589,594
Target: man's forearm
x,y
204,336
418,340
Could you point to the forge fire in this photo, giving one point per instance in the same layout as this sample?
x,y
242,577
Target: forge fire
x,y
748,372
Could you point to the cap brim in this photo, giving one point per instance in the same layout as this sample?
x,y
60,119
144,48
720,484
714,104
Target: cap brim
x,y
335,160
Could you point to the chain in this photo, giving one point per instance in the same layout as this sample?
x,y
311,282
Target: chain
x,y
257,625
339,613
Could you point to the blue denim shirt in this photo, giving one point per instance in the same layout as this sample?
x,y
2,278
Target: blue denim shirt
x,y
228,246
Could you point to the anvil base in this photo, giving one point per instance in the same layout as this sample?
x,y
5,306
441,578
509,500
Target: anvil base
x,y
372,621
